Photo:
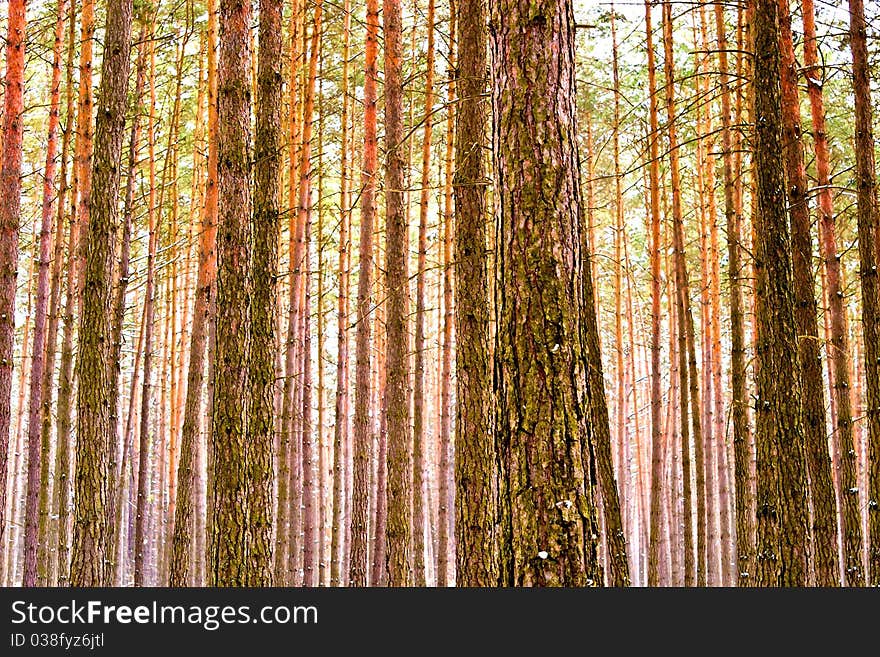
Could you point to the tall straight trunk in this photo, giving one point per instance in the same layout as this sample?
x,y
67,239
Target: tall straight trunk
x,y
818,460
362,433
781,476
839,353
546,416
656,574
38,450
866,196
117,471
142,492
302,278
476,476
744,503
419,431
338,543
397,390
260,437
621,438
683,314
180,574
10,217
93,421
229,564
287,509
48,551
445,551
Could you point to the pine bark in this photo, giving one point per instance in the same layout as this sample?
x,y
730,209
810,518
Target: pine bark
x,y
818,460
866,197
228,560
544,421
93,421
476,474
362,433
839,353
781,476
10,217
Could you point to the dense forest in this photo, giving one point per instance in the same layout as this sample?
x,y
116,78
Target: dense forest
x,y
417,293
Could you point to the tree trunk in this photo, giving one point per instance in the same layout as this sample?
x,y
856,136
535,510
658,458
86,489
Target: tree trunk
x,y
476,476
781,476
338,544
839,353
263,272
545,419
866,196
362,433
229,564
818,460
38,450
10,217
93,421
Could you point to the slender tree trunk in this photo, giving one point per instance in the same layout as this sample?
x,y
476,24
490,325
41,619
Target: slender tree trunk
x,y
476,460
362,433
683,311
10,217
866,191
781,476
818,461
205,287
338,543
48,543
838,354
656,575
38,453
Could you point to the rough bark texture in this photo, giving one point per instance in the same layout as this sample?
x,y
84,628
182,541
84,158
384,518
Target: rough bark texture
x,y
362,433
10,215
476,476
818,459
544,421
263,272
397,390
781,476
228,559
93,393
838,354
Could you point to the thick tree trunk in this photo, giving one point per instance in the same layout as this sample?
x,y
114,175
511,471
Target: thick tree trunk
x,y
781,475
229,536
263,272
545,420
93,421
